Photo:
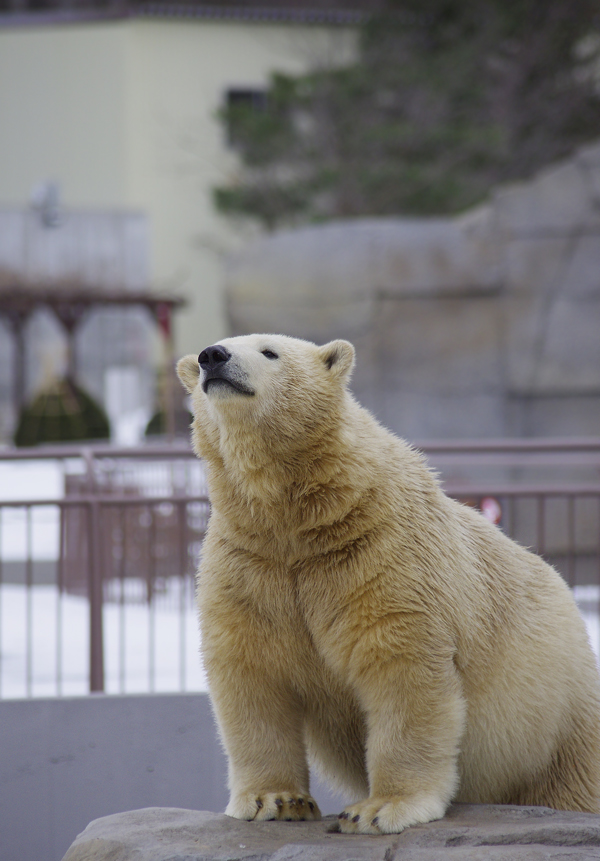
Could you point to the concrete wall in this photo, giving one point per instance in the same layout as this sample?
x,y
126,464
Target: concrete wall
x,y
64,762
485,325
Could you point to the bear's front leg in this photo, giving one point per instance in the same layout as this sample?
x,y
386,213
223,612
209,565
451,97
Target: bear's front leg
x,y
268,772
261,723
415,719
251,658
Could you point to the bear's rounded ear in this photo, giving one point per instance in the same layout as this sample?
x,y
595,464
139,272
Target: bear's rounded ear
x,y
338,357
188,372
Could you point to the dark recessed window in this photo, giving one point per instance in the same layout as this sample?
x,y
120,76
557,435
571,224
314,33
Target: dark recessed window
x,y
242,99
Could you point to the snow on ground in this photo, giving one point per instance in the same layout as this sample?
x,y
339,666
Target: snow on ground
x,y
37,533
588,601
44,636
34,479
148,648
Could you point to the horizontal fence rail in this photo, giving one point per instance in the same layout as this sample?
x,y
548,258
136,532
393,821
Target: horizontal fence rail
x,y
97,580
99,548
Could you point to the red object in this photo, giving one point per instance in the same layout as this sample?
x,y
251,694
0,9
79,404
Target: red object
x,y
491,509
163,318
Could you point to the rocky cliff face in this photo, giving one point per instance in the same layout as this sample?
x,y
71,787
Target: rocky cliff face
x,y
482,325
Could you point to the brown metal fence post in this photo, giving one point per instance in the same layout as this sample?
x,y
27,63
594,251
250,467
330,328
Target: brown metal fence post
x,y
95,586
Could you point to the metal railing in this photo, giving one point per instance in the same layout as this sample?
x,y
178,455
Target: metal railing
x,y
99,548
545,494
106,559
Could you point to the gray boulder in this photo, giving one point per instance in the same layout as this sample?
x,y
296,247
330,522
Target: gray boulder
x,y
482,325
467,832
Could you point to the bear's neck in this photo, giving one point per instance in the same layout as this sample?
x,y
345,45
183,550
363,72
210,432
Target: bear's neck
x,y
260,487
264,472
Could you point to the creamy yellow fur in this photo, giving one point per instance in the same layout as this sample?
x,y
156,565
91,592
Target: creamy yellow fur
x,y
355,617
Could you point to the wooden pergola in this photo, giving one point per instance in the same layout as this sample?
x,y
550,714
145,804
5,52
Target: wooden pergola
x,y
71,304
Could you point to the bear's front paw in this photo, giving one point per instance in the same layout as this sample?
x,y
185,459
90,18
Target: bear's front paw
x,y
389,815
261,806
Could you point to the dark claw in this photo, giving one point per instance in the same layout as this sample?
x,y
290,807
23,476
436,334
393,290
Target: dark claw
x,y
288,819
311,805
375,821
343,816
356,818
259,803
278,802
300,802
292,802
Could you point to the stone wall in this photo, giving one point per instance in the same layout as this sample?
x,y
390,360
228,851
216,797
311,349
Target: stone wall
x,y
66,761
482,325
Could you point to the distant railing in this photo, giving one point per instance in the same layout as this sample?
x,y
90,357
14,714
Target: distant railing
x,y
97,578
543,493
99,548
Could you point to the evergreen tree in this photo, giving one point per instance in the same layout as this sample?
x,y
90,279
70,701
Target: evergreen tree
x,y
62,412
446,100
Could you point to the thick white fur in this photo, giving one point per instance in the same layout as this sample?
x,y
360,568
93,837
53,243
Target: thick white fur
x,y
355,617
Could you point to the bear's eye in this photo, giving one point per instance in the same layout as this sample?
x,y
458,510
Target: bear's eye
x,y
269,354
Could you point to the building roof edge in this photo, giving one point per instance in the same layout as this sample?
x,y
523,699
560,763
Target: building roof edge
x,y
251,14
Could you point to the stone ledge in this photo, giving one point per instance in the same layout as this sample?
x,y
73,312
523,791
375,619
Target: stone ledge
x,y
468,832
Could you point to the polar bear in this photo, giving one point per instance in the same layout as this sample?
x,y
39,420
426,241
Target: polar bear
x,y
355,617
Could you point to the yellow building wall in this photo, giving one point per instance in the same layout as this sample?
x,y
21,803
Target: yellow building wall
x,y
62,111
123,114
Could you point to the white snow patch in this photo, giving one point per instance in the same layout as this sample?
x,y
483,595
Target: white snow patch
x,y
31,480
44,644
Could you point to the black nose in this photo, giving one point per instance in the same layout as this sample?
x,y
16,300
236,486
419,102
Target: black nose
x,y
212,357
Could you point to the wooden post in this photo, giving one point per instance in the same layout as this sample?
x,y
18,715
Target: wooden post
x,y
70,312
163,318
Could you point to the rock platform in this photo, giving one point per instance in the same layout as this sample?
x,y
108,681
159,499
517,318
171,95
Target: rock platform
x,y
468,832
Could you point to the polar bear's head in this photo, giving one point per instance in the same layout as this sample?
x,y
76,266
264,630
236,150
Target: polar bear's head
x,y
272,386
